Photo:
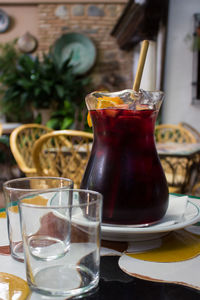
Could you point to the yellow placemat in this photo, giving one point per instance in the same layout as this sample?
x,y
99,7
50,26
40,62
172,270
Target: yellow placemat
x,y
2,214
174,247
37,200
13,287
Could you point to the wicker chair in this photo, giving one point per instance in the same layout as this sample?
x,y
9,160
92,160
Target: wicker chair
x,y
63,153
196,188
194,131
166,133
22,140
175,169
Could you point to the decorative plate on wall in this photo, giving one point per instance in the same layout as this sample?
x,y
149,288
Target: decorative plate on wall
x,y
4,21
27,43
79,47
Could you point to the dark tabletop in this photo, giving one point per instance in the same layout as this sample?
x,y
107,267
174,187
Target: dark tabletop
x,y
117,285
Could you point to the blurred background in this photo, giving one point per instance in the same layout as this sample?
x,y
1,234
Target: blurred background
x,y
53,53
115,28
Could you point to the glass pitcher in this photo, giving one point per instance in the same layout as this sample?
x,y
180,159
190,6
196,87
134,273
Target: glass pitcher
x,y
124,165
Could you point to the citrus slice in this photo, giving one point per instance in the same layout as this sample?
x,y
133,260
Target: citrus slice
x,y
89,121
142,107
106,102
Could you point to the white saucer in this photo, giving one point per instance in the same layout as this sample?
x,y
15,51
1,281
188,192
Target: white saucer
x,y
190,216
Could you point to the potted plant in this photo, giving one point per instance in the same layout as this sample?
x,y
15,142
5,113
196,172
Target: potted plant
x,y
8,59
34,84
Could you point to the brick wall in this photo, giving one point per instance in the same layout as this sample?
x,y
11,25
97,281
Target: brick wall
x,y
113,68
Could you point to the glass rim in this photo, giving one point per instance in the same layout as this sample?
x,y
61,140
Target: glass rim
x,y
126,90
151,100
23,179
99,199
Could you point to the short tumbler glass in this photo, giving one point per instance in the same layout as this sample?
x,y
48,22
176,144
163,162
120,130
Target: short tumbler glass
x,y
61,241
18,188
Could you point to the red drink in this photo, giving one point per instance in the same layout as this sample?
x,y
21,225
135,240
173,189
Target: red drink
x,y
125,168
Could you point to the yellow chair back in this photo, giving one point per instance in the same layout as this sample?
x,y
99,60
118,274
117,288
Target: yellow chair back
x,y
22,140
165,133
63,153
175,168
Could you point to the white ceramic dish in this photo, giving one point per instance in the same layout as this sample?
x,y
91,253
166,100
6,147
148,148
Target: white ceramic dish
x,y
190,216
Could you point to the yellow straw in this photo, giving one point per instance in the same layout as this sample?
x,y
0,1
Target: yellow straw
x,y
142,58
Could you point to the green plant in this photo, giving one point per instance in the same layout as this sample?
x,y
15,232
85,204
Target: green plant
x,y
8,57
69,116
35,83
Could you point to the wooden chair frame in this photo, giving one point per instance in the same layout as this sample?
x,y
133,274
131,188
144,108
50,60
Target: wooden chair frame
x,y
175,168
193,130
59,163
165,133
15,135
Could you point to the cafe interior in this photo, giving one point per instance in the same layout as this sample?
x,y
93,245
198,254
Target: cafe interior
x,y
139,145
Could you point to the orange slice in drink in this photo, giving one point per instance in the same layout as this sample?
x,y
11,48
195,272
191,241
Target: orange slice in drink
x,y
106,102
89,121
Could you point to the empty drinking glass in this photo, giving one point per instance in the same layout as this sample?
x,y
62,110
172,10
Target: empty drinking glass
x,y
22,187
61,241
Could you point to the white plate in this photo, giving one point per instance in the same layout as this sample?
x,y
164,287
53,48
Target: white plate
x,y
127,233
